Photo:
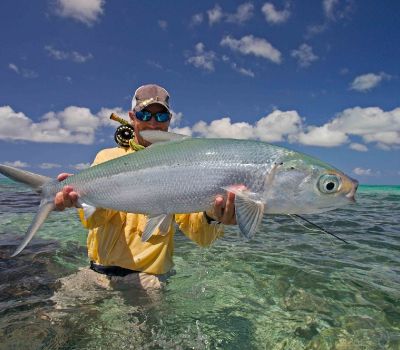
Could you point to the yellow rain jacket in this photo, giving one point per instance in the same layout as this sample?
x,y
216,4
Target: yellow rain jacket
x,y
115,237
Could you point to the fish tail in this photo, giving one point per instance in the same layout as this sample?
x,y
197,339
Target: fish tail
x,y
36,182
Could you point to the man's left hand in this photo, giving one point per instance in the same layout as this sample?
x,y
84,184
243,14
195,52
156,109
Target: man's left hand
x,y
224,210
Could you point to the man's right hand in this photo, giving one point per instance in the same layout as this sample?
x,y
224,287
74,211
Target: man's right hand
x,y
66,198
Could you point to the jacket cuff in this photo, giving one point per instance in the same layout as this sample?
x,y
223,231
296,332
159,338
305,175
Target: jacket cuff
x,y
209,219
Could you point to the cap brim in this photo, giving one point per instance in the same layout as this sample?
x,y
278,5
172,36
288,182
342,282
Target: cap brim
x,y
143,106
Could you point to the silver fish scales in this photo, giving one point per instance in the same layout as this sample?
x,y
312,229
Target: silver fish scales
x,y
185,174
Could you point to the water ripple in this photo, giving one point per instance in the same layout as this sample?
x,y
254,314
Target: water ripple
x,y
288,288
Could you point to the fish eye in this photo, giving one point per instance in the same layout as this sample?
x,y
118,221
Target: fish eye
x,y
329,183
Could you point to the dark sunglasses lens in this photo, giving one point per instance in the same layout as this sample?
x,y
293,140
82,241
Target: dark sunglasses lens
x,y
162,117
143,115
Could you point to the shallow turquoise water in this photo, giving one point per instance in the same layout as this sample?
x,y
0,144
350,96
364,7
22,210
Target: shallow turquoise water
x,y
289,288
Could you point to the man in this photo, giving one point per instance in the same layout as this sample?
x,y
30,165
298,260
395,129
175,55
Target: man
x,y
115,248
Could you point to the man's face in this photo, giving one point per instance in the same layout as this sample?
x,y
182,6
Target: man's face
x,y
152,124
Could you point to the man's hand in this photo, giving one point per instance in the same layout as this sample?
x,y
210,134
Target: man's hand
x,y
66,198
224,211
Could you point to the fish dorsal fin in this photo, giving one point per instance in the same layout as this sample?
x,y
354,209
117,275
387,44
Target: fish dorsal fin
x,y
156,136
161,221
249,211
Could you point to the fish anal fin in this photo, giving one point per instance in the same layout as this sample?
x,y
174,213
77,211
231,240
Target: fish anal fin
x,y
161,221
88,209
166,224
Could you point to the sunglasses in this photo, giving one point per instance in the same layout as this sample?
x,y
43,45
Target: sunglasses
x,y
160,117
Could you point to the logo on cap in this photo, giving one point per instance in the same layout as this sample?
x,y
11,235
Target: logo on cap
x,y
150,94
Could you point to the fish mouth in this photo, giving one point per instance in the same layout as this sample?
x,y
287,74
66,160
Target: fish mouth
x,y
353,189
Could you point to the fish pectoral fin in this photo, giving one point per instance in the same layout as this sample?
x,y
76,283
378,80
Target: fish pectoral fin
x,y
88,209
161,221
156,136
243,192
45,208
249,213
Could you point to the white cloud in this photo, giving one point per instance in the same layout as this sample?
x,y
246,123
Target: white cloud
x,y
85,11
368,81
367,122
73,56
273,16
25,73
365,172
79,125
384,137
241,70
196,19
304,55
183,131
202,59
250,45
72,125
383,147
49,166
176,118
335,9
104,116
358,147
13,67
315,29
80,166
17,164
329,7
371,124
224,128
322,136
163,24
237,68
243,13
80,58
278,125
275,127
215,15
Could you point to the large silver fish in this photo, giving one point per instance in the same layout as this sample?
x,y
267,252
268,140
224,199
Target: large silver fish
x,y
178,174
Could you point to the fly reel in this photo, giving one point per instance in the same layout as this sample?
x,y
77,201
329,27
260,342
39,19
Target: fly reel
x,y
123,134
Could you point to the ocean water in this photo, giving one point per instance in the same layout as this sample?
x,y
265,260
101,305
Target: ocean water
x,y
289,288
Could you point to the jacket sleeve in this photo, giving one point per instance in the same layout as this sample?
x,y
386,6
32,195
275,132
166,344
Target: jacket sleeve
x,y
100,216
195,227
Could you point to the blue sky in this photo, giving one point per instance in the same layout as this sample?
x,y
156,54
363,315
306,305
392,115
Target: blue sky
x,y
321,77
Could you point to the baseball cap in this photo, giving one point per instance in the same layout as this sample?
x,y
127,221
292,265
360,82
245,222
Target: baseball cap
x,y
149,94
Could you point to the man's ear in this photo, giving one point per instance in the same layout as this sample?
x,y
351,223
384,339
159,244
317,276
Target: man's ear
x,y
131,114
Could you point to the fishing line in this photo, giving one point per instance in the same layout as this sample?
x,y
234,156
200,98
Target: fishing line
x,y
319,228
